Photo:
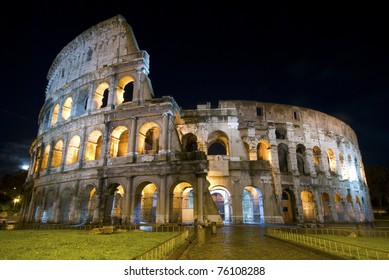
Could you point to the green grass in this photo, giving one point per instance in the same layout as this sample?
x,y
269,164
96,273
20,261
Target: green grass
x,y
76,245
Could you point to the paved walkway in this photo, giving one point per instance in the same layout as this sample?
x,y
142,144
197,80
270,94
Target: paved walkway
x,y
246,242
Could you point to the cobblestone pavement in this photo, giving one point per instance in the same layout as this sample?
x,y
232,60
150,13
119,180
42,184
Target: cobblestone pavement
x,y
246,242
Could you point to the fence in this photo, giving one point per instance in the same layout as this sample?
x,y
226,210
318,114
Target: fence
x,y
162,251
334,247
365,232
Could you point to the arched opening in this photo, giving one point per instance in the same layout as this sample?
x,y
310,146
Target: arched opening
x,y
350,208
114,204
326,208
73,149
316,158
264,151
100,97
331,160
339,205
45,159
67,108
360,209
47,215
93,146
87,206
182,204
300,156
282,151
252,205
38,207
222,199
146,203
57,154
189,142
218,143
54,115
65,205
119,142
148,141
288,203
308,206
124,90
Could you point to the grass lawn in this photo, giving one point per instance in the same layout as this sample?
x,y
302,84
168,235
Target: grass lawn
x,y
76,244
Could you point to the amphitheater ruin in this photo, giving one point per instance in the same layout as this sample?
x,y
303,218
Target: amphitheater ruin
x,y
109,152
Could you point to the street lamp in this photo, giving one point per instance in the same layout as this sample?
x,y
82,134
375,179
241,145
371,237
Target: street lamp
x,y
16,200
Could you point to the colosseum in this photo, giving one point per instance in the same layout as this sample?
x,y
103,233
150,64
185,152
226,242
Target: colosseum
x,y
108,151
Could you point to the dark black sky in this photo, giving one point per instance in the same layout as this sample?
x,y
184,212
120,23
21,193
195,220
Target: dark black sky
x,y
329,57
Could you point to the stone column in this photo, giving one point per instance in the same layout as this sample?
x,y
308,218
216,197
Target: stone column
x,y
165,135
105,144
127,203
81,152
132,144
161,217
200,198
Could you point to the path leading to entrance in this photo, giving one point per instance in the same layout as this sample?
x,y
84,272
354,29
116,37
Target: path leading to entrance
x,y
246,242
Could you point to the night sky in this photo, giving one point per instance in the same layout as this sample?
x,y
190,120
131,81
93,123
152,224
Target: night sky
x,y
329,57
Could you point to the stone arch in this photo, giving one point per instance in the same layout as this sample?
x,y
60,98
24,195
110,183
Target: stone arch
x,y
93,145
38,207
316,157
331,160
283,155
189,142
182,204
47,215
54,115
65,205
308,203
113,198
145,203
326,207
218,143
57,154
100,97
350,208
288,203
45,159
360,209
124,90
148,140
222,198
67,108
339,205
118,142
300,157
252,205
87,204
73,149
264,150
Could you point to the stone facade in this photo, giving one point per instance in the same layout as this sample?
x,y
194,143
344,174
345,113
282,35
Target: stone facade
x,y
109,152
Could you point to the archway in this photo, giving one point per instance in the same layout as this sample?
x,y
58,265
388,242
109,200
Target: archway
x,y
114,204
182,204
218,143
350,208
148,140
49,203
145,203
222,199
86,204
308,206
339,204
252,205
360,209
93,146
65,205
189,142
264,150
73,149
119,142
326,208
288,205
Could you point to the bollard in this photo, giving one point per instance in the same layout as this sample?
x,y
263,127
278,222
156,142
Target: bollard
x,y
214,228
200,235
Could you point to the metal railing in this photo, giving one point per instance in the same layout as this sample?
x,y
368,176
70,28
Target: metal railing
x,y
162,251
333,247
365,232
